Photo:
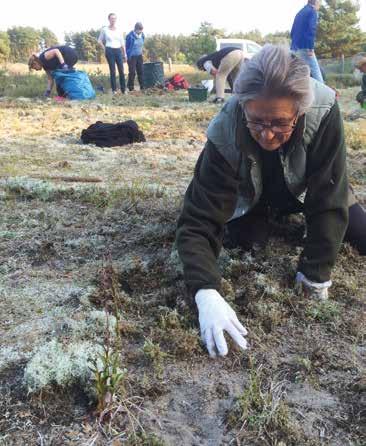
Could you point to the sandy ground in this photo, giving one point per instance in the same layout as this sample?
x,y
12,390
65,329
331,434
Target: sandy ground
x,y
91,262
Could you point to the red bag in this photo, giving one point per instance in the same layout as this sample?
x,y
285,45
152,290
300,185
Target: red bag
x,y
177,82
169,86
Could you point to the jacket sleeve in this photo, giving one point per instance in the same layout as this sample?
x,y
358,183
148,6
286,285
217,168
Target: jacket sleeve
x,y
128,43
209,203
326,201
311,31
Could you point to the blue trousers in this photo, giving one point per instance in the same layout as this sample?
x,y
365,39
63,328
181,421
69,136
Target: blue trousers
x,y
114,57
313,63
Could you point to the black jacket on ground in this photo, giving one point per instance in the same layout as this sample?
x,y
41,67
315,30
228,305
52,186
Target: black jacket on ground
x,y
110,135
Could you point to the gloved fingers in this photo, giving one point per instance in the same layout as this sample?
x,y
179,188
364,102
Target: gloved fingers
x,y
237,337
301,289
220,341
209,341
237,324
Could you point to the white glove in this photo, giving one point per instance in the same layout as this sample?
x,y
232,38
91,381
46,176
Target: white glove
x,y
208,65
312,289
215,316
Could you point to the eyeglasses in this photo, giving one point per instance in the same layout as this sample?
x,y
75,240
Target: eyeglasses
x,y
274,127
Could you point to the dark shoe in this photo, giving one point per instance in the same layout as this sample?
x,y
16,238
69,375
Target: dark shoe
x,y
218,101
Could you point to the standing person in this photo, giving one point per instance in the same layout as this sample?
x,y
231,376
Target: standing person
x,y
55,58
361,66
277,147
303,35
111,40
223,65
134,47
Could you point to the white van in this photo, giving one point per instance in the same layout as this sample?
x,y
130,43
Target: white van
x,y
248,47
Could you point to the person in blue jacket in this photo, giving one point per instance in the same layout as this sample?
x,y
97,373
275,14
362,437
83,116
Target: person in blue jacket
x,y
134,47
303,35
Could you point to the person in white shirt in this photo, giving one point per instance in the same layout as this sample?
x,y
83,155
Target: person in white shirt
x,y
112,41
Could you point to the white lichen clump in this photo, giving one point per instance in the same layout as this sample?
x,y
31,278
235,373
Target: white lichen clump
x,y
31,188
263,282
95,325
58,364
9,355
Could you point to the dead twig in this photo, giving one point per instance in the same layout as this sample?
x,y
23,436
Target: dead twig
x,y
69,179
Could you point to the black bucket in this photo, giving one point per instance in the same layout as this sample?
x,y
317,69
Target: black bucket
x,y
153,74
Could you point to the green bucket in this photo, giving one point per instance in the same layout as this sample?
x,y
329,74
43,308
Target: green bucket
x,y
363,105
197,94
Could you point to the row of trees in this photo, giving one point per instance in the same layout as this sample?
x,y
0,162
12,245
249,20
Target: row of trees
x,y
187,49
338,34
17,43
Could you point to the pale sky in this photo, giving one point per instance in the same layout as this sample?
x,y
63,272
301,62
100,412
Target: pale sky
x,y
170,17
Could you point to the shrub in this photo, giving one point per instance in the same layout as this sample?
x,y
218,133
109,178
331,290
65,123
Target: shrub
x,y
342,80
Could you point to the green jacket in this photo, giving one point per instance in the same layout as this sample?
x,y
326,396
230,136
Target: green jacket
x,y
227,184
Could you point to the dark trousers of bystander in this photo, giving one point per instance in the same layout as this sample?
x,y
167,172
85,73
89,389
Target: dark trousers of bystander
x,y
135,65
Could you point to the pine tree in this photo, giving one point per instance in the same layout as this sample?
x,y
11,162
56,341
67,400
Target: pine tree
x,y
339,32
24,40
4,46
48,38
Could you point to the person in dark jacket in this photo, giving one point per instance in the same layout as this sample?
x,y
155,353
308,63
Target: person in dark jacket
x,y
54,58
303,35
224,65
276,146
134,47
361,66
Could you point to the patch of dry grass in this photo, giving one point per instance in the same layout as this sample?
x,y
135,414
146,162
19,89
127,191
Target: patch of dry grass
x,y
74,251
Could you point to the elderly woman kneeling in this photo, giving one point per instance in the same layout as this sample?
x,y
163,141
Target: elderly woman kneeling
x,y
276,147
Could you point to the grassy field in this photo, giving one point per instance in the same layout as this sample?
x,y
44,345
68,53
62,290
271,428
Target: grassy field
x,y
99,340
16,80
21,68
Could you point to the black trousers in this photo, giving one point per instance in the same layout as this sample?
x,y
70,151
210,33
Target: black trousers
x,y
253,228
135,64
114,57
356,231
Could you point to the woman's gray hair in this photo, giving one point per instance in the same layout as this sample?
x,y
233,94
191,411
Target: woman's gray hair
x,y
275,72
